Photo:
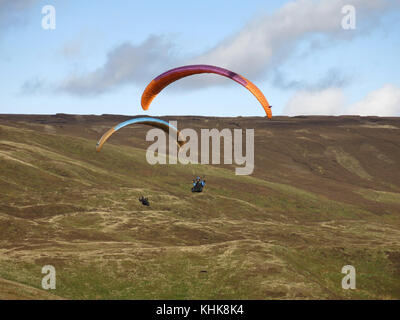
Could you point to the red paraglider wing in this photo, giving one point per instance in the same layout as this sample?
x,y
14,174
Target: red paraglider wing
x,y
163,80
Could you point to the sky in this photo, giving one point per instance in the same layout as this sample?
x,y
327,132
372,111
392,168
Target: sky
x,y
102,54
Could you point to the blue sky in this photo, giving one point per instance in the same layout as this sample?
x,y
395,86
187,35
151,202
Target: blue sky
x,y
102,54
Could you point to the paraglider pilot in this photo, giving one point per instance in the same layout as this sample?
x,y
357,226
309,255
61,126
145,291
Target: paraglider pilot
x,y
198,184
144,201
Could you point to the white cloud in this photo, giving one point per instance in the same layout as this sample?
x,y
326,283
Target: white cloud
x,y
125,64
270,39
383,102
261,45
326,102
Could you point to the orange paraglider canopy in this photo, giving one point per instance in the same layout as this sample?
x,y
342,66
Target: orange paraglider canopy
x,y
163,80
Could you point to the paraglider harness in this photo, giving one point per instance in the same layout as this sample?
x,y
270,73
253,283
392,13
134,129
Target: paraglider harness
x,y
144,201
198,184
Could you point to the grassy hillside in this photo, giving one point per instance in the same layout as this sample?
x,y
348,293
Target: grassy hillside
x,y
325,193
